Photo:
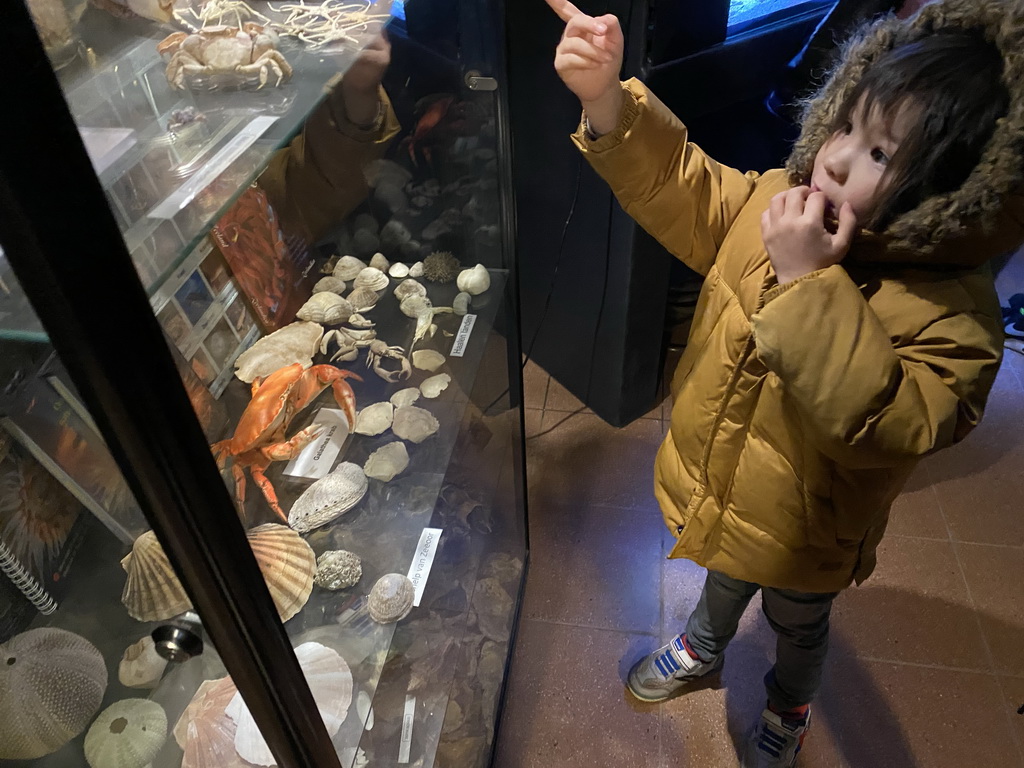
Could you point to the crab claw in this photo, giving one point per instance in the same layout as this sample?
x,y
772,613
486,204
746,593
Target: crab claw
x,y
344,395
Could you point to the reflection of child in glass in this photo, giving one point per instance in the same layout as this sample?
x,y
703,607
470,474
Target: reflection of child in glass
x,y
847,325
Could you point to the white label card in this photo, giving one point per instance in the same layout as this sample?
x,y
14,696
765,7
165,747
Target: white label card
x,y
318,457
408,717
422,561
462,337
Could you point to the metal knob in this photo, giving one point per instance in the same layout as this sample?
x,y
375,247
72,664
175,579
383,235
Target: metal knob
x,y
477,82
181,639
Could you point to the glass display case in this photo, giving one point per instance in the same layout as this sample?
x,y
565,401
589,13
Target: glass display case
x,y
261,411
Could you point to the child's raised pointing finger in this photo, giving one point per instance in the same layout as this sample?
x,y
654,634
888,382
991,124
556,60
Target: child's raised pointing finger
x,y
564,9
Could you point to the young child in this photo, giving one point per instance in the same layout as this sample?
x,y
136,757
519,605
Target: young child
x,y
847,325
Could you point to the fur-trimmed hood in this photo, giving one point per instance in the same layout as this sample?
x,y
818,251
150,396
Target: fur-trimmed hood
x,y
985,217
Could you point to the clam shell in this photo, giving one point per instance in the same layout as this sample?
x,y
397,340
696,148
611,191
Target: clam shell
x,y
363,298
416,270
387,462
338,569
288,566
152,591
406,396
474,281
374,419
414,424
398,270
330,283
295,343
372,278
348,267
408,288
51,684
427,359
141,666
328,498
325,307
414,306
127,734
379,261
204,732
435,385
460,304
391,598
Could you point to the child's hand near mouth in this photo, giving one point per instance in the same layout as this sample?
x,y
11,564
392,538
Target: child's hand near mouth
x,y
797,235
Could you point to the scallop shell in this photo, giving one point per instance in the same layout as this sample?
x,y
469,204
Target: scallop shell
x,y
338,569
391,598
387,462
408,288
51,684
435,385
372,278
330,682
414,424
374,419
460,304
288,566
363,299
328,498
204,732
295,343
416,270
474,281
427,359
325,307
379,261
127,734
406,396
141,666
348,267
398,270
330,283
152,591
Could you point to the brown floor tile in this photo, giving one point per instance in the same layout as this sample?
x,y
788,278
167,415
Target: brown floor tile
x,y
995,576
566,706
978,481
1013,696
916,511
595,567
532,418
882,715
910,608
583,462
535,385
561,399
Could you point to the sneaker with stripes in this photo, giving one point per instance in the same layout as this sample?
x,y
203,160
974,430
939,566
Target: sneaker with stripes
x,y
666,672
777,739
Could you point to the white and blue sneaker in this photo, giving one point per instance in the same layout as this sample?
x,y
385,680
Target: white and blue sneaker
x,y
666,672
776,740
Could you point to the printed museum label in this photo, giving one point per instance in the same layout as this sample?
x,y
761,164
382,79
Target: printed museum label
x,y
462,337
408,717
422,561
318,457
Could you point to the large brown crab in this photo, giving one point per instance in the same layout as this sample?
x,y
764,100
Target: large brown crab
x,y
220,50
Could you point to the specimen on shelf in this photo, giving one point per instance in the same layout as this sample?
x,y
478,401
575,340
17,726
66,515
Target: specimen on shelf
x,y
406,396
141,666
364,710
154,10
416,270
460,304
348,343
328,22
387,462
427,359
325,307
127,734
151,591
415,305
51,684
348,267
371,278
391,598
375,419
328,498
363,298
398,270
494,608
380,261
260,437
338,569
407,288
295,343
425,323
378,352
441,267
204,731
359,322
330,283
435,385
246,52
414,424
474,281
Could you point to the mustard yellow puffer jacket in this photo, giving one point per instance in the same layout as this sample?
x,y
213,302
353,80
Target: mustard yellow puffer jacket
x,y
800,410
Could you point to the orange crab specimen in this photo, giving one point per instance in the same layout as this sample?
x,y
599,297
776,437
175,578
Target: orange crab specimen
x,y
260,436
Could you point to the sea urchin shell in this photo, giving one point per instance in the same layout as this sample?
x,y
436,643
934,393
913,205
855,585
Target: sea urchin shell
x,y
441,267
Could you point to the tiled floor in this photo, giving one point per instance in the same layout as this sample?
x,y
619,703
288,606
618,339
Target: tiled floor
x,y
927,662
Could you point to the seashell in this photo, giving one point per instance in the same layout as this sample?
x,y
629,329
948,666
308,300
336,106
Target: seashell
x,y
391,598
329,265
406,396
374,419
474,281
379,261
328,498
331,284
152,591
348,267
287,563
416,270
363,299
51,684
414,306
435,385
204,732
141,666
409,287
494,608
338,569
387,462
414,424
427,359
295,343
330,682
460,304
127,734
364,710
325,307
371,278
441,267
358,321
398,270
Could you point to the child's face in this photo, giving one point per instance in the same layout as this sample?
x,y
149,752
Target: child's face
x,y
849,166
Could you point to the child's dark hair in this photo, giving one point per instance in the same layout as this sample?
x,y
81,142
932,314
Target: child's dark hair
x,y
955,79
